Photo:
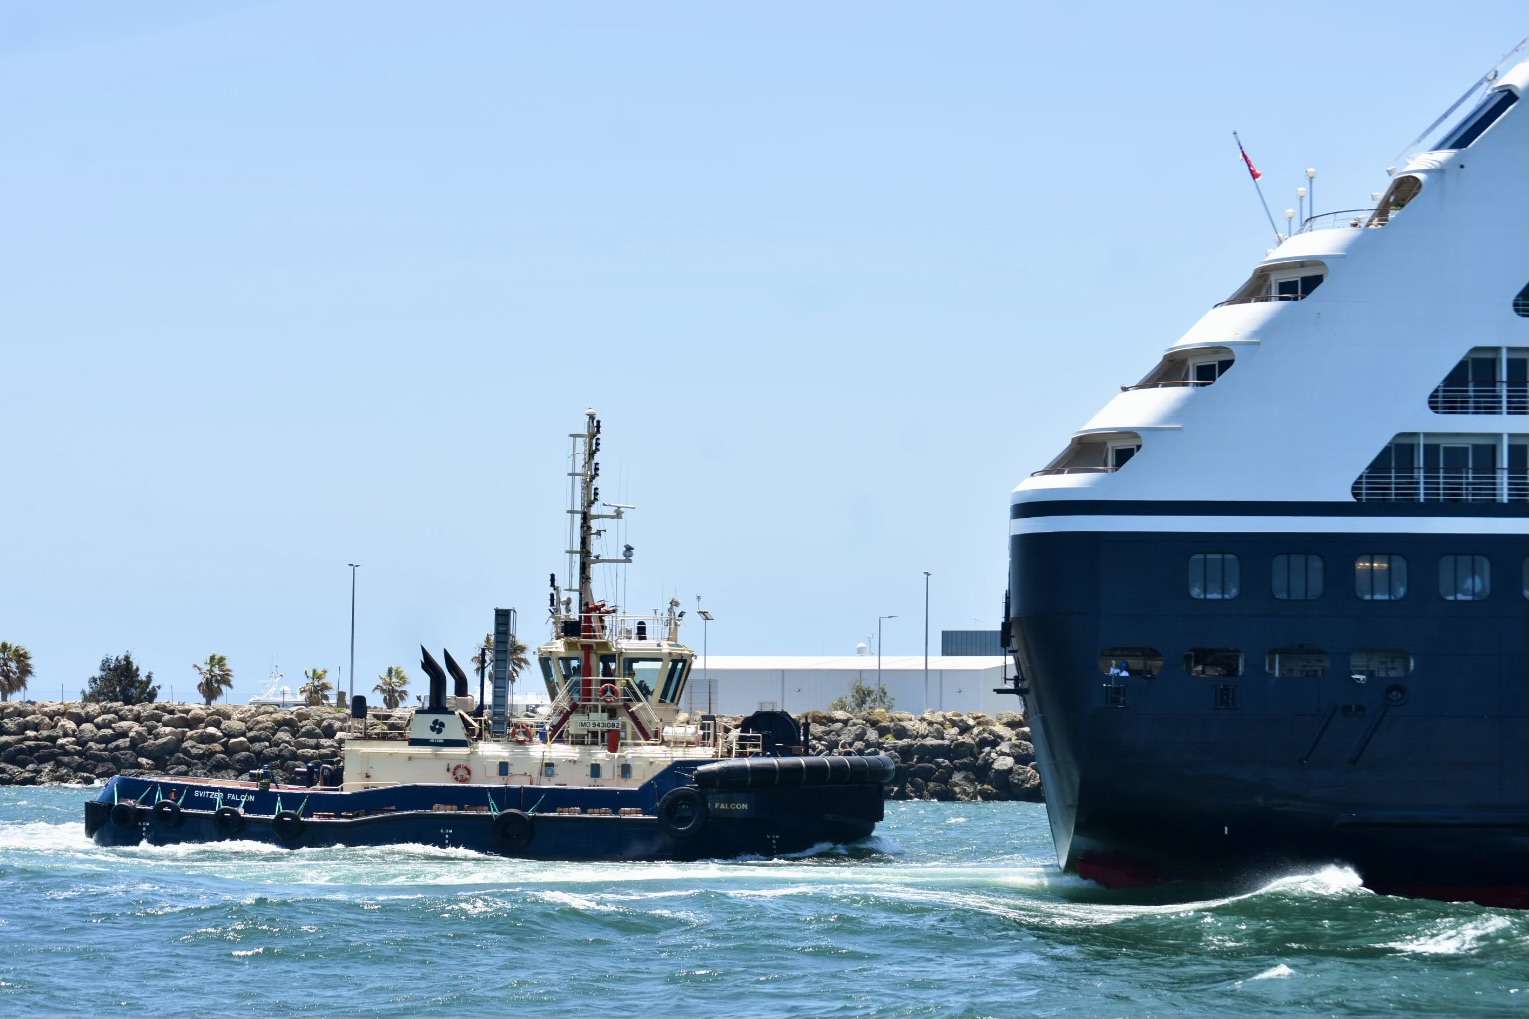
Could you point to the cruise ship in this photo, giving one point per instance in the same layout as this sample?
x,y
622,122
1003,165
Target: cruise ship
x,y
1269,604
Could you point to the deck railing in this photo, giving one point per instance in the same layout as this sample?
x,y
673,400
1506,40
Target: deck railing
x,y
1501,485
1046,471
1481,398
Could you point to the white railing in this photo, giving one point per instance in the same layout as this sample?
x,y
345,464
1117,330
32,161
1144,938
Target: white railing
x,y
1499,485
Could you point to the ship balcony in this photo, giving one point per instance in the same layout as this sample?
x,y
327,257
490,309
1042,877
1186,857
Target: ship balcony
x,y
1442,486
1481,398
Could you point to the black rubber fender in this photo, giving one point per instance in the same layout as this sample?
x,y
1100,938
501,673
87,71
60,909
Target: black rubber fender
x,y
288,826
124,815
682,812
167,814
767,772
228,821
513,830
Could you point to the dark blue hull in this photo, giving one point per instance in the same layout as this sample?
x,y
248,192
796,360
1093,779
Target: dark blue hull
x,y
563,823
1419,781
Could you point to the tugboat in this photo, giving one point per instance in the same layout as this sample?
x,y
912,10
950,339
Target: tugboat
x,y
615,769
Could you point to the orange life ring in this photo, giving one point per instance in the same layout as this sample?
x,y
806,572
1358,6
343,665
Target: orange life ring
x,y
609,694
521,733
461,773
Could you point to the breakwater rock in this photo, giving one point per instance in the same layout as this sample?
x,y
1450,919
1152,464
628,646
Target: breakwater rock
x,y
940,755
73,742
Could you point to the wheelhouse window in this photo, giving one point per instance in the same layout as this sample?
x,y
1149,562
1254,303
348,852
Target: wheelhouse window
x,y
1465,578
545,661
1131,661
1297,577
643,673
1296,662
674,681
1482,117
1100,453
1214,577
1380,576
1213,662
1383,664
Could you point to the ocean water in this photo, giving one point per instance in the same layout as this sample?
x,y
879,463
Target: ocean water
x,y
951,909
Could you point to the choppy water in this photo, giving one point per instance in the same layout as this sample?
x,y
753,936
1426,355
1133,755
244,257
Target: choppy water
x,y
952,909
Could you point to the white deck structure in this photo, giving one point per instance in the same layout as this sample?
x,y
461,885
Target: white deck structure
x,y
798,683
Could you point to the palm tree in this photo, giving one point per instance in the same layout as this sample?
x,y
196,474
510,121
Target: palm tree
x,y
216,677
393,685
316,691
518,660
15,669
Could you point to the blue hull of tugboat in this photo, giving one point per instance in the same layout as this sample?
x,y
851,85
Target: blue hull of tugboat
x,y
759,820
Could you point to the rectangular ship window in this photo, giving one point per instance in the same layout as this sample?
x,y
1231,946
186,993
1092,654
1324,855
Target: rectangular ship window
x,y
1213,661
1380,576
1131,661
1381,664
1465,577
1297,577
1296,662
1214,576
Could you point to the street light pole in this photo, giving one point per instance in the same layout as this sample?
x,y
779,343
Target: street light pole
x,y
926,640
706,618
878,653
351,675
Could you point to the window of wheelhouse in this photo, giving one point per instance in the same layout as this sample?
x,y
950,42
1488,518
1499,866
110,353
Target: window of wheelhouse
x,y
571,667
674,681
545,661
643,673
1213,662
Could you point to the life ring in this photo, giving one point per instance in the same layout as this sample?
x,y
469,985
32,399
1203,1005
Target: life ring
x,y
124,814
461,773
167,813
521,733
609,694
682,812
229,821
513,830
288,826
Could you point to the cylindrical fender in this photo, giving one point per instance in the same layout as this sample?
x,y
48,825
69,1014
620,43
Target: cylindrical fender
x,y
513,830
682,812
228,821
288,826
167,814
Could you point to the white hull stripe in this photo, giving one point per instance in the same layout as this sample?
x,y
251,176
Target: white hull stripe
x,y
1271,525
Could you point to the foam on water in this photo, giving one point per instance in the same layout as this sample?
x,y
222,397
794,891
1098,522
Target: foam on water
x,y
933,916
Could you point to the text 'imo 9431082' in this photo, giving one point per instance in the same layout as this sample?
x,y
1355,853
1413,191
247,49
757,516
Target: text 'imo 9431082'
x,y
610,766
1268,604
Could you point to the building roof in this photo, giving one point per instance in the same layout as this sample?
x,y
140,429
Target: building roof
x,y
851,663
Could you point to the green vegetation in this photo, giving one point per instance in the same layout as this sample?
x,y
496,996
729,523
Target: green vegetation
x,y
120,680
318,688
862,698
216,676
393,685
15,669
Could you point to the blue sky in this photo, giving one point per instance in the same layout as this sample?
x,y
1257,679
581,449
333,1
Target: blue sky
x,y
292,284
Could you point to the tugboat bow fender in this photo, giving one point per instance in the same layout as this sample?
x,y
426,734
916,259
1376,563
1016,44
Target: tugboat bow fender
x,y
768,772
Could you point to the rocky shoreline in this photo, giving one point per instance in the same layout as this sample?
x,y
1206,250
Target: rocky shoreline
x,y
940,755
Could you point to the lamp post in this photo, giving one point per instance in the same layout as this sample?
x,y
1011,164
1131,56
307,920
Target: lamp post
x,y
706,618
926,640
351,675
879,620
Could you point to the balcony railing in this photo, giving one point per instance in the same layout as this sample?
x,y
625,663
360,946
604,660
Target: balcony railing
x,y
1175,384
1501,485
1481,398
1072,470
1343,219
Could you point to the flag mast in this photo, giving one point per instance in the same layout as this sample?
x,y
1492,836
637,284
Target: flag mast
x,y
1255,173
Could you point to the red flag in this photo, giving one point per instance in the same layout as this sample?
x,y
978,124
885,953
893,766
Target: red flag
x,y
1253,171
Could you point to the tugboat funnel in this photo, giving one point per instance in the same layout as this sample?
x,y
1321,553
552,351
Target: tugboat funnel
x,y
437,681
459,678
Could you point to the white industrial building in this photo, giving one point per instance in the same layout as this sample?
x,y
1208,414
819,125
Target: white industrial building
x,y
739,684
